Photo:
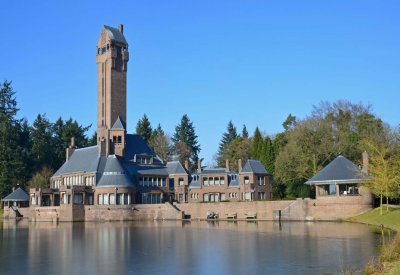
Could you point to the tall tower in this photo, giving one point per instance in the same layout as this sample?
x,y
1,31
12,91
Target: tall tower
x,y
112,61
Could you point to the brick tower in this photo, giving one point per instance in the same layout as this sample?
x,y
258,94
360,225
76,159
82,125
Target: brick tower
x,y
112,61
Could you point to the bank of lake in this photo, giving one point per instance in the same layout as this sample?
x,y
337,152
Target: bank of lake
x,y
388,261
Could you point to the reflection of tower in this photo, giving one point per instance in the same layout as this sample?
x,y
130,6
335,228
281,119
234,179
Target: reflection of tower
x,y
112,58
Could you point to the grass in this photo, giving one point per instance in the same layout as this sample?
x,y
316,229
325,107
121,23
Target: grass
x,y
389,258
389,219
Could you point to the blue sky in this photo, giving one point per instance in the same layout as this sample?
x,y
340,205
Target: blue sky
x,y
252,62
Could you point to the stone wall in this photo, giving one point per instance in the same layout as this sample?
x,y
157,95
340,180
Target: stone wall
x,y
132,212
264,209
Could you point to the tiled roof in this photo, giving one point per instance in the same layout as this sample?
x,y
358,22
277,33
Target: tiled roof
x,y
175,167
18,195
339,170
115,35
118,124
135,145
114,174
81,160
254,166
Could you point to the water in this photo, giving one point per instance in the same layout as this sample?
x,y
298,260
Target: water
x,y
174,247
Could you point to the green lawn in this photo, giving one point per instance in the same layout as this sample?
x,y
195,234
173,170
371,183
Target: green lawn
x,y
389,219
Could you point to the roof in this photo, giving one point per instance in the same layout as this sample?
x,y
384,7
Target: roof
x,y
115,35
18,195
255,167
118,124
233,180
339,170
81,160
114,174
145,169
214,170
136,145
175,168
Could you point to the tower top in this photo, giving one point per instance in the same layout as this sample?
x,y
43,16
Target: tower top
x,y
111,34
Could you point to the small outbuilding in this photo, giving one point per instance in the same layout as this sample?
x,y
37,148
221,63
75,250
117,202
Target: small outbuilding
x,y
18,198
339,178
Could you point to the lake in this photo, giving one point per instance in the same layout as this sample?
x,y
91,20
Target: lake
x,y
176,247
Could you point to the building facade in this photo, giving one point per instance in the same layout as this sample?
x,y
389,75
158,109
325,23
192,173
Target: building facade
x,y
122,169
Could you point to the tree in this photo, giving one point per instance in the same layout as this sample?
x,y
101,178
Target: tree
x,y
161,144
226,139
42,152
144,129
384,172
245,133
63,132
93,139
41,179
12,135
257,144
239,148
185,142
267,157
289,123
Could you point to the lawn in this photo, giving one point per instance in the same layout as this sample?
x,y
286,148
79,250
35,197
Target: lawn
x,y
389,219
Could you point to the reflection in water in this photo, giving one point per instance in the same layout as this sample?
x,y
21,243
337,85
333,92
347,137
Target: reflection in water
x,y
176,247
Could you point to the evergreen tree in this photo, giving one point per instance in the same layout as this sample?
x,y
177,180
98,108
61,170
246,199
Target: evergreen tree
x,y
42,152
62,134
227,138
143,128
245,134
239,148
267,157
185,142
257,144
93,139
12,166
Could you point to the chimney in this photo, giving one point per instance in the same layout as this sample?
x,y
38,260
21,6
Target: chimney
x,y
239,165
227,164
365,161
121,28
199,166
72,142
187,165
70,149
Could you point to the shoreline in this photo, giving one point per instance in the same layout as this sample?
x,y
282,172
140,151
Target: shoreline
x,y
388,261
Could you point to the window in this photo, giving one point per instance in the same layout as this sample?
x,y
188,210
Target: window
x,y
119,140
261,196
33,200
246,180
246,196
222,180
126,198
222,196
78,198
118,200
105,199
112,199
205,197
181,182
261,180
100,199
103,50
211,181
217,181
205,181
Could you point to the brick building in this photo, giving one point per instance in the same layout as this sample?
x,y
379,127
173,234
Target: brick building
x,y
122,169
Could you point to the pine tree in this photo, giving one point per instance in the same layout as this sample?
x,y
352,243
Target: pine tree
x,y
42,142
267,156
12,166
257,144
185,142
143,128
161,144
245,134
229,136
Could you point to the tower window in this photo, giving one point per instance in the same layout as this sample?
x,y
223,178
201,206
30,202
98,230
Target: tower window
x,y
119,139
103,50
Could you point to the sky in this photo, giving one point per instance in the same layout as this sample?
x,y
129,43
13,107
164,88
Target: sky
x,y
252,62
